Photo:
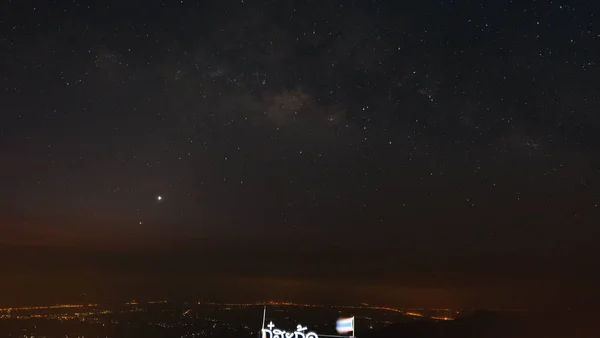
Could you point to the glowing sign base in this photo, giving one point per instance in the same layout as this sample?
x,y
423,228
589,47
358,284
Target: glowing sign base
x,y
273,332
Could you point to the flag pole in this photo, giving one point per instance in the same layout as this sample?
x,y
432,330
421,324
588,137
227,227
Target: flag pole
x,y
262,333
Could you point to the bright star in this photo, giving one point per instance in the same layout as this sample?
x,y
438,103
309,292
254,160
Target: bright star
x,y
159,198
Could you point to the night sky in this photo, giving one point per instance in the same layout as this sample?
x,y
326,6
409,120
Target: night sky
x,y
431,152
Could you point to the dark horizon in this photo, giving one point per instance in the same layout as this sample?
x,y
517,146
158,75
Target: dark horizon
x,y
341,276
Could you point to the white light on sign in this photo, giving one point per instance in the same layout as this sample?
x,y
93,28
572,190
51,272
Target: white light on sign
x,y
273,332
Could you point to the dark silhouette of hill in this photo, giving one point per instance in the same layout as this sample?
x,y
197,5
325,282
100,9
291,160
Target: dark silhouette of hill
x,y
486,324
475,326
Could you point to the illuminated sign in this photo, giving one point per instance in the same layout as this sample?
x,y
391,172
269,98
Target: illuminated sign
x,y
272,332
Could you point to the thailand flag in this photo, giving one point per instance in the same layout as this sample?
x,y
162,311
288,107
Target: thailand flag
x,y
345,325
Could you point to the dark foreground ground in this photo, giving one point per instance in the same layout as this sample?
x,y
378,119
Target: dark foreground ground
x,y
483,324
166,320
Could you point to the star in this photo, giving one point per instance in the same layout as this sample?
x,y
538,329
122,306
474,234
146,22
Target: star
x,y
159,198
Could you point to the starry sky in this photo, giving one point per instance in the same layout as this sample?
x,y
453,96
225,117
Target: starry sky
x,y
425,147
